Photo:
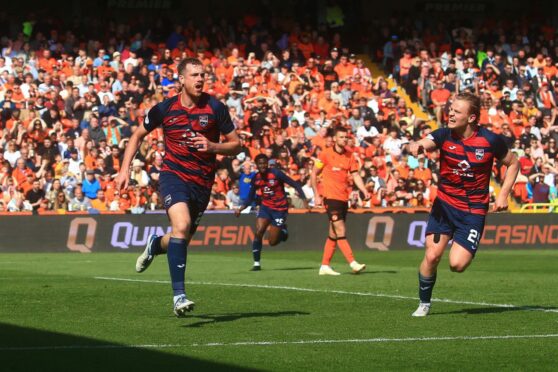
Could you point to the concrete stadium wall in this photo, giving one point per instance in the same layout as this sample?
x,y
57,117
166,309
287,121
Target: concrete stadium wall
x,y
222,231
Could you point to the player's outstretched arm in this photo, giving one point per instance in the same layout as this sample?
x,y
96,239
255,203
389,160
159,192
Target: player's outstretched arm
x,y
289,181
512,164
425,144
123,177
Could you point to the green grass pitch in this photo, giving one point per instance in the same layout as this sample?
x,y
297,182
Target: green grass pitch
x,y
67,312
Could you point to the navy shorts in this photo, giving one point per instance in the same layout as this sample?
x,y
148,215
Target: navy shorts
x,y
277,218
175,190
465,228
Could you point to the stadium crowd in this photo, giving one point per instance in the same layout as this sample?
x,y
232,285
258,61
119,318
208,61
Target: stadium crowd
x,y
512,66
68,107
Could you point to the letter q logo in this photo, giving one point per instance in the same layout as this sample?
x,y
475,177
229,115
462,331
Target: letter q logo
x,y
73,234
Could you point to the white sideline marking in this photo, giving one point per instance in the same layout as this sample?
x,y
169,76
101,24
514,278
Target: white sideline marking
x,y
272,343
369,294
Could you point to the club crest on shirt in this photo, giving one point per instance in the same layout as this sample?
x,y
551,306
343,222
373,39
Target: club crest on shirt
x,y
271,182
479,154
204,120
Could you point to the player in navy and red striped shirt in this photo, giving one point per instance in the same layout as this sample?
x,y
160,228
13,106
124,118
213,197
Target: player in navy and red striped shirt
x,y
192,124
274,205
467,154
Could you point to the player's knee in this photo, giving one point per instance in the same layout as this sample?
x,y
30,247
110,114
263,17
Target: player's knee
x,y
457,267
181,228
432,258
260,233
274,242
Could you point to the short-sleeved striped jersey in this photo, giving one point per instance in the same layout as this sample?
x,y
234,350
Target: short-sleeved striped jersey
x,y
466,166
272,187
209,117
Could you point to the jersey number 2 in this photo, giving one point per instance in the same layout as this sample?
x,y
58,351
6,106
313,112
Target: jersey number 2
x,y
473,236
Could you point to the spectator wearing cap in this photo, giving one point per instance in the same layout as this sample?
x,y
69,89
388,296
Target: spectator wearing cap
x,y
105,70
138,174
334,56
366,133
74,163
90,184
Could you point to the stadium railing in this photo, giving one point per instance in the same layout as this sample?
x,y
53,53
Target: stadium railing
x,y
538,208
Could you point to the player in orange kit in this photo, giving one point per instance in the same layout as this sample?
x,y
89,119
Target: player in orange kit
x,y
337,164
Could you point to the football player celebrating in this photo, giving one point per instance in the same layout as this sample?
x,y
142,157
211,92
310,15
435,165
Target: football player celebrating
x,y
192,122
467,154
274,206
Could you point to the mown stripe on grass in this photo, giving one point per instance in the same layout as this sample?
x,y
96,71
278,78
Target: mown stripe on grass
x,y
333,291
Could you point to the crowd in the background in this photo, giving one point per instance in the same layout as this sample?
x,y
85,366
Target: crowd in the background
x,y
68,107
513,67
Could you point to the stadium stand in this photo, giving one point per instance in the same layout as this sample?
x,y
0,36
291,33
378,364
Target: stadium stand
x,y
69,104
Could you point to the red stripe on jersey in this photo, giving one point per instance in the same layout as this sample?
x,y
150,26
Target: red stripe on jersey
x,y
453,190
456,203
478,211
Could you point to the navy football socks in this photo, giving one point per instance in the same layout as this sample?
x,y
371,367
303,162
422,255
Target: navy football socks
x,y
176,255
156,246
426,285
256,250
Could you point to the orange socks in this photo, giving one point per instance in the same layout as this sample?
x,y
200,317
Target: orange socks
x,y
346,249
329,250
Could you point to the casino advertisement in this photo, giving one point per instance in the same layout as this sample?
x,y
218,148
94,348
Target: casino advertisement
x,y
222,232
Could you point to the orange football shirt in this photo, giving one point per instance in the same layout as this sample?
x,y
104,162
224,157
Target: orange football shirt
x,y
335,173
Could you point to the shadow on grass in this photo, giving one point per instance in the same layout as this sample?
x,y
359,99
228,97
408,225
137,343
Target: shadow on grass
x,y
495,310
27,349
220,318
296,268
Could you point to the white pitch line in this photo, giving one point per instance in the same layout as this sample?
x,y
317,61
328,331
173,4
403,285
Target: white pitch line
x,y
368,294
273,343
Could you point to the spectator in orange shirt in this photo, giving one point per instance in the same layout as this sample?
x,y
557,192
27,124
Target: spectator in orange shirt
x,y
439,97
517,119
100,202
422,173
405,64
344,68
